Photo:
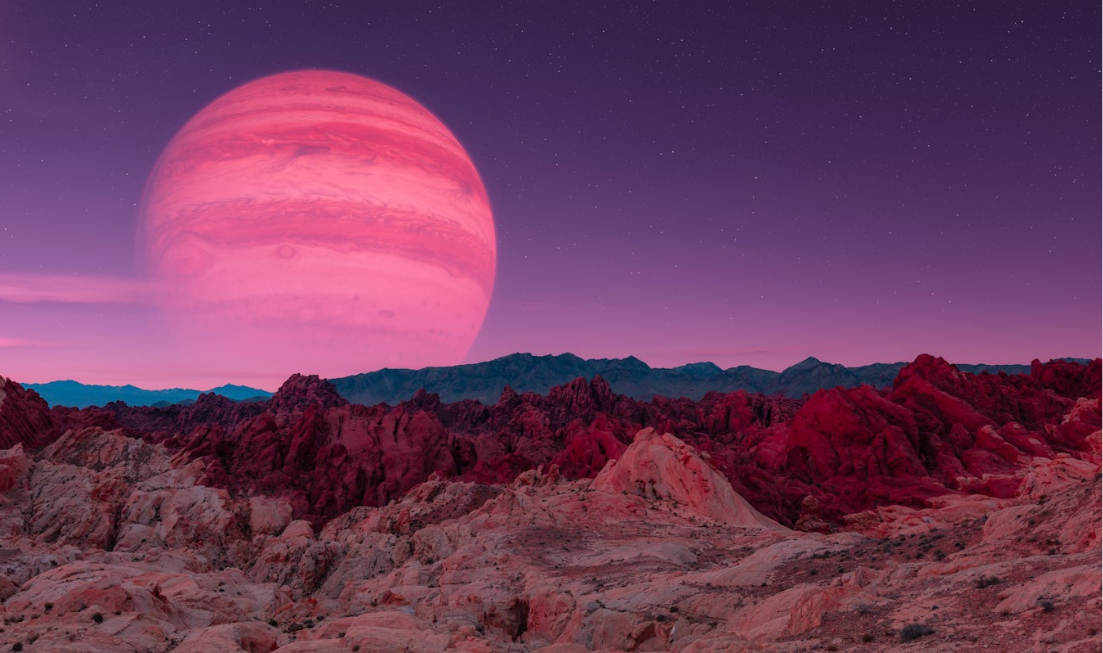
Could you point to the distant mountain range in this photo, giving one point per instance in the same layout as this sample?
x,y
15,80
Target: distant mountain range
x,y
627,376
528,373
79,395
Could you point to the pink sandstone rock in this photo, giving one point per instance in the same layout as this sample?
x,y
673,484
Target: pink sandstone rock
x,y
14,466
663,467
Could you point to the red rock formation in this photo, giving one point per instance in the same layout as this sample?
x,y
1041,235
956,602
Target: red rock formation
x,y
299,392
1069,379
24,416
936,431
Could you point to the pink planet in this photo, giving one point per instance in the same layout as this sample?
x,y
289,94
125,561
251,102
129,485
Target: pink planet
x,y
317,222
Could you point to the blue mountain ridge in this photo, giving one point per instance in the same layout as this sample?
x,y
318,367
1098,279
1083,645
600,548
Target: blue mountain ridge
x,y
81,395
627,376
485,381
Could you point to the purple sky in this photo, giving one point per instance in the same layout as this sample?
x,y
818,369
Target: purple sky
x,y
754,184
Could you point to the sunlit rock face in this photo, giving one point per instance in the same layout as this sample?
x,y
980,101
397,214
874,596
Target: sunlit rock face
x,y
318,221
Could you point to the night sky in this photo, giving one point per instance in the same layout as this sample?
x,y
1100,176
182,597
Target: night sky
x,y
742,183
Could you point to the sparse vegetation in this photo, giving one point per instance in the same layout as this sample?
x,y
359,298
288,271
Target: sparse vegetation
x,y
987,581
97,617
912,632
1046,604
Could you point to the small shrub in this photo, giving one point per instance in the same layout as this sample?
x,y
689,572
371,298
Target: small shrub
x,y
987,581
49,606
868,637
273,623
98,618
17,647
1047,605
912,632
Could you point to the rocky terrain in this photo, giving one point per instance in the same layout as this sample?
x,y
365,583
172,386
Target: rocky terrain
x,y
950,512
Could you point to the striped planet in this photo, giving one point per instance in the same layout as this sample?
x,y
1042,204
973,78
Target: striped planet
x,y
317,222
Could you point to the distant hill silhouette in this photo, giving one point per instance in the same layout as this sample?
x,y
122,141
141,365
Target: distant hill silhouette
x,y
80,395
626,376
528,373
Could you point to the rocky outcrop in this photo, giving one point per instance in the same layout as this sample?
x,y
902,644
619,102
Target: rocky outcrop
x,y
24,416
1069,379
300,392
660,466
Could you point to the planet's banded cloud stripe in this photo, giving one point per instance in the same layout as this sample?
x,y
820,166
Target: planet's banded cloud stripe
x,y
386,231
318,197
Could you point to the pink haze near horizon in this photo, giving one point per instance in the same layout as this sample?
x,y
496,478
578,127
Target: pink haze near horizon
x,y
113,336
